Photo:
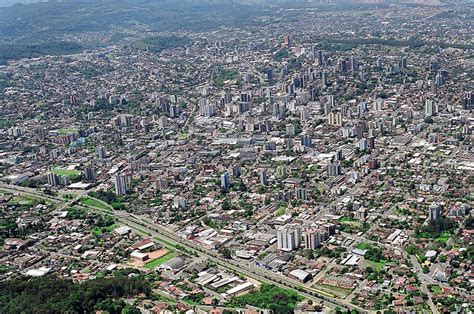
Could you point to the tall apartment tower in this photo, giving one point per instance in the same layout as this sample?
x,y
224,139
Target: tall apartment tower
x,y
90,173
101,152
312,238
434,212
122,183
289,237
225,181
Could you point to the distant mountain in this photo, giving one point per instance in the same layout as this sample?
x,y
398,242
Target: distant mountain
x,y
58,27
7,3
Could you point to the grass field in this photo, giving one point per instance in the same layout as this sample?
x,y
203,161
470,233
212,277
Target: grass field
x,y
94,203
23,200
377,266
363,246
161,260
350,221
66,131
66,172
347,219
280,211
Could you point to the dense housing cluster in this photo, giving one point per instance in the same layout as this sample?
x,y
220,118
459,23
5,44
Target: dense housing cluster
x,y
320,157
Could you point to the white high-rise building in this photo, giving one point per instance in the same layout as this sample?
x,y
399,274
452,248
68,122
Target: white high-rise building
x,y
312,238
289,237
430,108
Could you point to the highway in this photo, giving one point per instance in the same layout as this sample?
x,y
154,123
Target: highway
x,y
143,225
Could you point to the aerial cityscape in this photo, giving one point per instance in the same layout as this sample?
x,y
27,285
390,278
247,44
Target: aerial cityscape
x,y
219,156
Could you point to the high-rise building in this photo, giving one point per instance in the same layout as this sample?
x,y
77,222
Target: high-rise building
x,y
122,182
331,102
289,237
343,64
306,140
43,150
290,129
236,171
354,64
55,153
301,194
72,100
179,202
126,120
324,79
270,146
439,78
430,108
379,63
15,131
403,62
225,181
433,87
90,173
207,109
312,238
363,144
101,152
263,177
174,111
247,77
339,156
304,114
53,179
333,169
56,180
113,100
269,73
250,124
433,66
434,212
334,118
468,101
320,58
371,142
40,133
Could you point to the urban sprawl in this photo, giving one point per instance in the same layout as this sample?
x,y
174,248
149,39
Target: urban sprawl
x,y
326,156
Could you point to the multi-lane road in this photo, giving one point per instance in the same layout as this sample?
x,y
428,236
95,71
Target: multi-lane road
x,y
144,225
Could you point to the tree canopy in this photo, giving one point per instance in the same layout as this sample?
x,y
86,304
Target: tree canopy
x,y
55,295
